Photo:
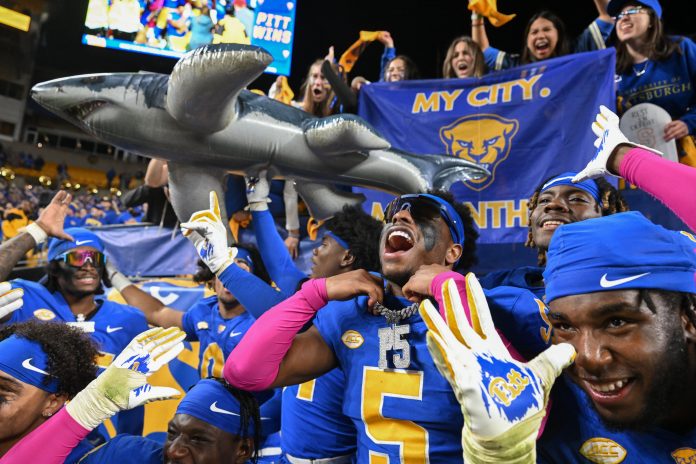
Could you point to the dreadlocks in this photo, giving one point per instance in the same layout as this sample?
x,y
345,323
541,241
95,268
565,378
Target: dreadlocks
x,y
248,412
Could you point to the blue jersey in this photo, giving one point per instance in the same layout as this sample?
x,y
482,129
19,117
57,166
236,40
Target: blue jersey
x,y
217,336
402,407
112,326
312,422
669,84
574,433
521,277
126,448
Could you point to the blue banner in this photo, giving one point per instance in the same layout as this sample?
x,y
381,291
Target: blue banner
x,y
274,30
148,250
523,124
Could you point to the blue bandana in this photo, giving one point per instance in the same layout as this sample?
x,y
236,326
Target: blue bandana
x,y
212,403
83,237
590,186
26,361
245,256
338,240
618,252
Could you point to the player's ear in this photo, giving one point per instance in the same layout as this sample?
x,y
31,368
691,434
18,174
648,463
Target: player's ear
x,y
347,259
454,252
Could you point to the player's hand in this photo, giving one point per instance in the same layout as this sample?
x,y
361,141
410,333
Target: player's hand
x,y
609,138
10,299
293,246
123,385
503,400
52,217
351,284
257,191
208,234
675,130
418,286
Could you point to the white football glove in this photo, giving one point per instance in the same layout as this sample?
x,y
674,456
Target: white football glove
x,y
123,385
257,191
503,400
609,136
10,300
208,234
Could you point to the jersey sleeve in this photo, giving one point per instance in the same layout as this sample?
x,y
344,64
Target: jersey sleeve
x,y
521,316
688,48
253,293
190,320
594,37
34,296
124,448
497,60
329,320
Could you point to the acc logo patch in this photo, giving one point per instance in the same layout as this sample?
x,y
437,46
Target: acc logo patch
x,y
352,339
684,456
484,139
202,325
44,314
603,451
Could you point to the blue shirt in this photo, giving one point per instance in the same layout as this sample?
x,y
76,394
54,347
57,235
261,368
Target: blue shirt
x,y
668,84
126,448
406,409
592,38
521,277
312,422
574,433
217,336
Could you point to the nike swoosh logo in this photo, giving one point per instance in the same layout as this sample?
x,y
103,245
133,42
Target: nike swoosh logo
x,y
110,329
27,365
214,408
81,242
234,334
606,283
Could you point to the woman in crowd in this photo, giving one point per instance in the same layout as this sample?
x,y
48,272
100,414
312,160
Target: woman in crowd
x,y
545,37
42,366
654,68
463,59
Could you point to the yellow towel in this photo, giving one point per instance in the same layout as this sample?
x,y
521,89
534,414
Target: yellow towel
x,y
489,9
350,56
284,93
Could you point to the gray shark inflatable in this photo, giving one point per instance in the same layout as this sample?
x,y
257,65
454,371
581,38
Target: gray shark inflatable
x,y
203,121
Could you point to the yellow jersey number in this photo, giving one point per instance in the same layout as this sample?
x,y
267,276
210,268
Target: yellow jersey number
x,y
411,438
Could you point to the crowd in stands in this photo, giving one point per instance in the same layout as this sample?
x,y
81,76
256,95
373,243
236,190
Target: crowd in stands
x,y
388,350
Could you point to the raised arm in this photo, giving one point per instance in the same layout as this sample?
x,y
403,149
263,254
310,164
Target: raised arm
x,y
154,310
601,6
49,224
271,354
478,31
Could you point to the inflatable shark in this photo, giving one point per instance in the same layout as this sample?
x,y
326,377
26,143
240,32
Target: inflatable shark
x,y
203,121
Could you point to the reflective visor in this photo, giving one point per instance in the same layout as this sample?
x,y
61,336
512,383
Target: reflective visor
x,y
426,207
81,257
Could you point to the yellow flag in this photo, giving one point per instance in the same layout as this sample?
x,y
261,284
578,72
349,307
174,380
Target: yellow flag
x,y
284,93
351,55
489,9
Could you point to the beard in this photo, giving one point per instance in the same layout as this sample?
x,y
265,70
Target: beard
x,y
668,384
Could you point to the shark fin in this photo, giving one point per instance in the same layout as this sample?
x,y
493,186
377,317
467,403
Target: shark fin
x,y
204,85
342,133
323,201
441,171
189,190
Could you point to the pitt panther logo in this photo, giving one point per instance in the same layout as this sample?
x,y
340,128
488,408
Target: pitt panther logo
x,y
484,139
684,456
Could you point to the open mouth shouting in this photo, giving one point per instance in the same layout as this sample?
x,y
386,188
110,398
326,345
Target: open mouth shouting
x,y
399,241
462,69
542,47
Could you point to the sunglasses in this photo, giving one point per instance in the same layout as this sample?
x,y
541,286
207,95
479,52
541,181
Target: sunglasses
x,y
82,257
629,12
424,207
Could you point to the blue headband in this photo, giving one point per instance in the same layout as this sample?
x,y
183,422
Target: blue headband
x,y
83,237
618,252
26,361
454,221
245,256
338,239
590,186
212,403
